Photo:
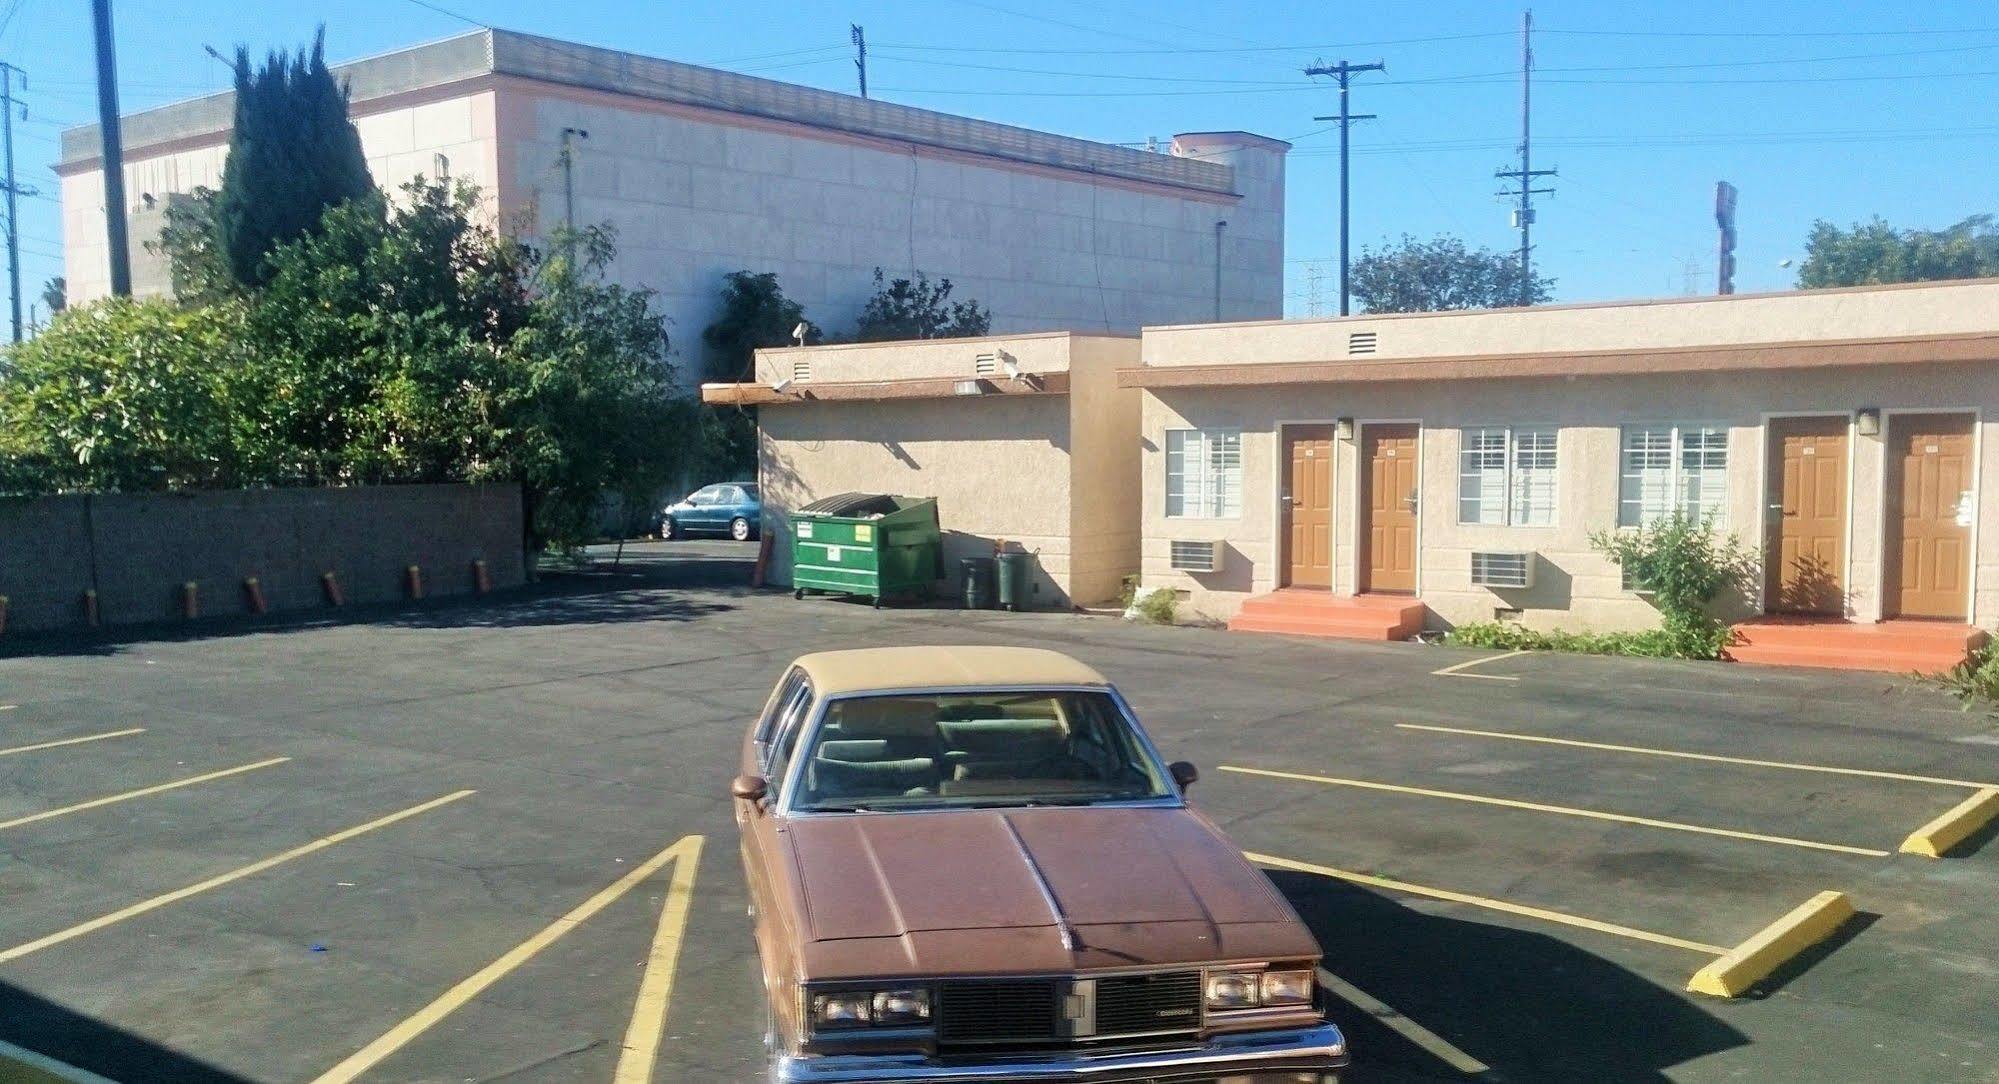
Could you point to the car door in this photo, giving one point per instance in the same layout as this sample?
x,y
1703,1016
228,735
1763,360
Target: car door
x,y
702,509
776,738
731,505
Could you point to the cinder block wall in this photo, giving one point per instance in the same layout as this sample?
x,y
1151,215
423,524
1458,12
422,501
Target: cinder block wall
x,y
138,549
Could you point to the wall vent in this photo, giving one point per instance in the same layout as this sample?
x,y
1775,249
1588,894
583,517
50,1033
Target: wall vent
x,y
1185,555
986,365
1360,342
801,370
1510,570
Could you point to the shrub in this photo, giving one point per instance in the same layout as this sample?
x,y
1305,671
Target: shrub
x,y
1973,681
1157,607
1686,565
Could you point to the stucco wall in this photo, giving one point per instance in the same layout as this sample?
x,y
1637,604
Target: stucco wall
x,y
137,549
1103,468
401,138
1575,586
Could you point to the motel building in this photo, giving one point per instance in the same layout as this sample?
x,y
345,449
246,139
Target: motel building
x,y
1378,475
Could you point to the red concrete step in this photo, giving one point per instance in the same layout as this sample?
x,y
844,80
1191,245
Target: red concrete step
x,y
1321,613
1925,647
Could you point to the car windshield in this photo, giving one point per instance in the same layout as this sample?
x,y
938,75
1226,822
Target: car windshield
x,y
959,750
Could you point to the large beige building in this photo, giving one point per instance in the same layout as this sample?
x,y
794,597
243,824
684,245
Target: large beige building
x,y
1458,462
704,172
1025,440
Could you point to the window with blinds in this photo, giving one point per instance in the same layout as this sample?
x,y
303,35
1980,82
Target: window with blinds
x,y
1203,473
1506,477
1668,467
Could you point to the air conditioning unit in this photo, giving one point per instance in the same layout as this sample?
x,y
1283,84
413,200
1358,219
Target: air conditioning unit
x,y
1188,556
1504,570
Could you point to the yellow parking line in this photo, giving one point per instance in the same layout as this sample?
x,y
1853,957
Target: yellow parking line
x,y
656,989
1459,669
8,707
219,880
1561,810
1683,755
1486,902
1429,1041
685,849
158,788
70,741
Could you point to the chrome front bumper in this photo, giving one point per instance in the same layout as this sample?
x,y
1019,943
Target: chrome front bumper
x,y
1321,1049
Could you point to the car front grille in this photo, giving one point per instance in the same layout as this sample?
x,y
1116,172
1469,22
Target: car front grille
x,y
1149,1004
997,1011
1062,1011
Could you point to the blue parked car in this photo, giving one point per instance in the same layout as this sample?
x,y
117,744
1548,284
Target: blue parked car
x,y
734,509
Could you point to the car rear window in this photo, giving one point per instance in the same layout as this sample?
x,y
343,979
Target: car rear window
x,y
975,749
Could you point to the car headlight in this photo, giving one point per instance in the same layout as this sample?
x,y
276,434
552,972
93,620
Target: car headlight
x,y
1287,988
847,1009
904,1007
884,1007
1232,990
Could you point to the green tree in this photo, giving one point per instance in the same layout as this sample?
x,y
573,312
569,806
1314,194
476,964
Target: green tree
x,y
1875,252
755,315
123,395
1440,274
919,309
293,154
196,261
55,295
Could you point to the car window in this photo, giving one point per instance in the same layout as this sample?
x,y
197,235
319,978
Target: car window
x,y
731,495
705,495
754,493
975,749
790,722
779,697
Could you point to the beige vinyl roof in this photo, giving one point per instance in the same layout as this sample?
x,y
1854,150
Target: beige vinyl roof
x,y
874,669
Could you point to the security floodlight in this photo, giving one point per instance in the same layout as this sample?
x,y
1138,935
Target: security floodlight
x,y
780,384
1011,364
798,333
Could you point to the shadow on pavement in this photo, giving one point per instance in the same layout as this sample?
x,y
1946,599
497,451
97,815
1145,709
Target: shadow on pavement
x,y
1532,1007
639,588
85,1042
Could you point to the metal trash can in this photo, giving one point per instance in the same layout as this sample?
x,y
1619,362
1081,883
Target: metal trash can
x,y
1016,579
978,576
870,544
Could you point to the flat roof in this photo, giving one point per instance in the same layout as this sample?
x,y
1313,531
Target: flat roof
x,y
508,53
886,669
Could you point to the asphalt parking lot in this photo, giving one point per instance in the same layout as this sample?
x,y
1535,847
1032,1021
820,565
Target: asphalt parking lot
x,y
492,841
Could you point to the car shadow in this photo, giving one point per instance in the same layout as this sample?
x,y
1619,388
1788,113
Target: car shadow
x,y
35,1023
1530,1006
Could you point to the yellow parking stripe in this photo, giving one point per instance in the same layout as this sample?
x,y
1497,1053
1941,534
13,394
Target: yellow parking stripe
x,y
1683,755
37,747
1429,1041
158,788
1561,810
1459,669
656,989
686,849
1486,902
218,881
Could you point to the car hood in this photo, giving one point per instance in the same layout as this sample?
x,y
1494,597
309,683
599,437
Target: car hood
x,y
1009,889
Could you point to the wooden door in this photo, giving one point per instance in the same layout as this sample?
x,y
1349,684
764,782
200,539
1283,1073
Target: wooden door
x,y
1389,472
1308,505
1930,510
1805,545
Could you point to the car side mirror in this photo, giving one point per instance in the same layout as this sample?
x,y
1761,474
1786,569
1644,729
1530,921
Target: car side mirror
x,y
1184,773
750,788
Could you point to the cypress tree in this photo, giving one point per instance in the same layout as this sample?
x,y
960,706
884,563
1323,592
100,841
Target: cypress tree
x,y
293,154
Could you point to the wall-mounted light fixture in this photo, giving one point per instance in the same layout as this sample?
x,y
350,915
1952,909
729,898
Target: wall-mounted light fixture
x,y
969,387
1868,421
1343,428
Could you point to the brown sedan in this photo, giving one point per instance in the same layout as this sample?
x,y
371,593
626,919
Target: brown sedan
x,y
970,863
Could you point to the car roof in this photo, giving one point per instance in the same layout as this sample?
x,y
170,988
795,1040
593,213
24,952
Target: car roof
x,y
882,669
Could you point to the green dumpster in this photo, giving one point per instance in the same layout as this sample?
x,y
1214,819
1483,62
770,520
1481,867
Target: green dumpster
x,y
872,544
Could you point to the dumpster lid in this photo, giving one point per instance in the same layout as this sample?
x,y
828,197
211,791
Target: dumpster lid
x,y
856,504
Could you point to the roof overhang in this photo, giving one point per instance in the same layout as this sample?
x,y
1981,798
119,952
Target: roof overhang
x,y
925,387
1802,354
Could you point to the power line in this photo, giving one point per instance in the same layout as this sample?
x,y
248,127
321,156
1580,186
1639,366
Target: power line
x,y
1062,23
426,4
1334,47
1768,33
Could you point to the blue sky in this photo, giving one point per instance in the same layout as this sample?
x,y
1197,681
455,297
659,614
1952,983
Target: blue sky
x,y
1822,109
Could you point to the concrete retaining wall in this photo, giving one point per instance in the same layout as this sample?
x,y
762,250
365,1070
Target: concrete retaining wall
x,y
138,549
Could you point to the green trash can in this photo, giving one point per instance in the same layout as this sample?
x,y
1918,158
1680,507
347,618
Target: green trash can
x,y
978,575
871,544
1016,579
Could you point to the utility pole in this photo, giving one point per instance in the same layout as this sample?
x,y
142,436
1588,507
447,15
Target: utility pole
x,y
113,154
1521,188
14,190
1344,70
568,158
1724,220
1220,225
861,54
